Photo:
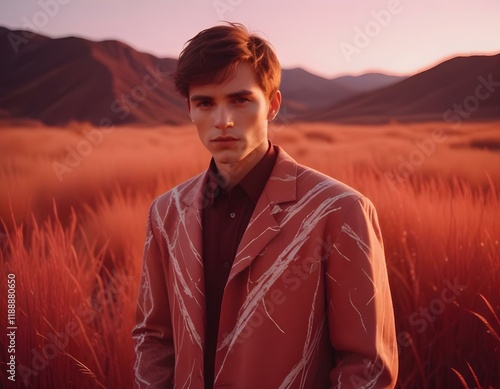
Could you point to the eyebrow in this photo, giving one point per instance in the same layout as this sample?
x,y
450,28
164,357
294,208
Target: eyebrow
x,y
243,92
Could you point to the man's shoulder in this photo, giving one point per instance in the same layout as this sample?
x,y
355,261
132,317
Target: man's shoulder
x,y
322,191
311,183
310,177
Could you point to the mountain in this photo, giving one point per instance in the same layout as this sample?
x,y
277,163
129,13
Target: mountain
x,y
367,82
304,91
57,81
73,79
455,90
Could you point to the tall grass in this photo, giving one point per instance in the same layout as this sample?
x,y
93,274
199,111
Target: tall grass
x,y
75,249
73,315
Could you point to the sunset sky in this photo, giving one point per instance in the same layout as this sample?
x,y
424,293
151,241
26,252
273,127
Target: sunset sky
x,y
326,37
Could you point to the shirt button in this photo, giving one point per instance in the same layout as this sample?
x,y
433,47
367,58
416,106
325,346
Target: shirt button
x,y
225,264
232,214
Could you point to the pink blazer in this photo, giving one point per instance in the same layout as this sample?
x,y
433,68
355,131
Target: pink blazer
x,y
307,303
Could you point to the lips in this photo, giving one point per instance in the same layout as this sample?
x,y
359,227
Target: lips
x,y
224,139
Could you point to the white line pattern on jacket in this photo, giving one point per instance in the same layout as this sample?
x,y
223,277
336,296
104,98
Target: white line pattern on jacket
x,y
288,255
179,277
309,348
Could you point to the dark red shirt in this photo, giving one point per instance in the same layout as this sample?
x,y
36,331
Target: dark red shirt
x,y
225,218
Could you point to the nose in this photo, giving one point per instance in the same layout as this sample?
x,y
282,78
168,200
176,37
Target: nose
x,y
223,119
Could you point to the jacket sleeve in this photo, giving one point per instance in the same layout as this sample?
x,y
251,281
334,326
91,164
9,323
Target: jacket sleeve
x,y
152,334
360,310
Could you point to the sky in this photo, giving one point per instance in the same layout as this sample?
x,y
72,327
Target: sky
x,y
327,37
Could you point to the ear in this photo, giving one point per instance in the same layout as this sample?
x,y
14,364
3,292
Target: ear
x,y
274,105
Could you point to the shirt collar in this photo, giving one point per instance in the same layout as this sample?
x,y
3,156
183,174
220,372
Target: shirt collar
x,y
254,181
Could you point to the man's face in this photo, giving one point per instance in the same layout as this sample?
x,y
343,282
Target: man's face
x,y
232,117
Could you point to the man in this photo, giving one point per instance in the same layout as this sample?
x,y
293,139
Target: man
x,y
258,273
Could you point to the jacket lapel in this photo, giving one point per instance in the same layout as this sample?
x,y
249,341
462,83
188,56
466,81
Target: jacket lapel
x,y
263,225
190,252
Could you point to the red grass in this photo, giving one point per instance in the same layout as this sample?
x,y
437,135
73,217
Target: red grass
x,y
75,246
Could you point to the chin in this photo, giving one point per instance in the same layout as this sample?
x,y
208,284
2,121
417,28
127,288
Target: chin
x,y
227,156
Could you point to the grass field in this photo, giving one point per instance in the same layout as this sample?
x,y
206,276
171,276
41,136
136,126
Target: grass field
x,y
73,210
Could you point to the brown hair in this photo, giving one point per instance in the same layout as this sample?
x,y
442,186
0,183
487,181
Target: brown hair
x,y
215,52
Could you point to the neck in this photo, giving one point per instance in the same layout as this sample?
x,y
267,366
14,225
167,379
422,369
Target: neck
x,y
234,172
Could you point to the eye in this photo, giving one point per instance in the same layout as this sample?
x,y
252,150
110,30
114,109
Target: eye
x,y
204,103
241,100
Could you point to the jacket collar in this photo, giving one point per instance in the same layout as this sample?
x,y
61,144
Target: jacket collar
x,y
263,225
252,183
280,188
